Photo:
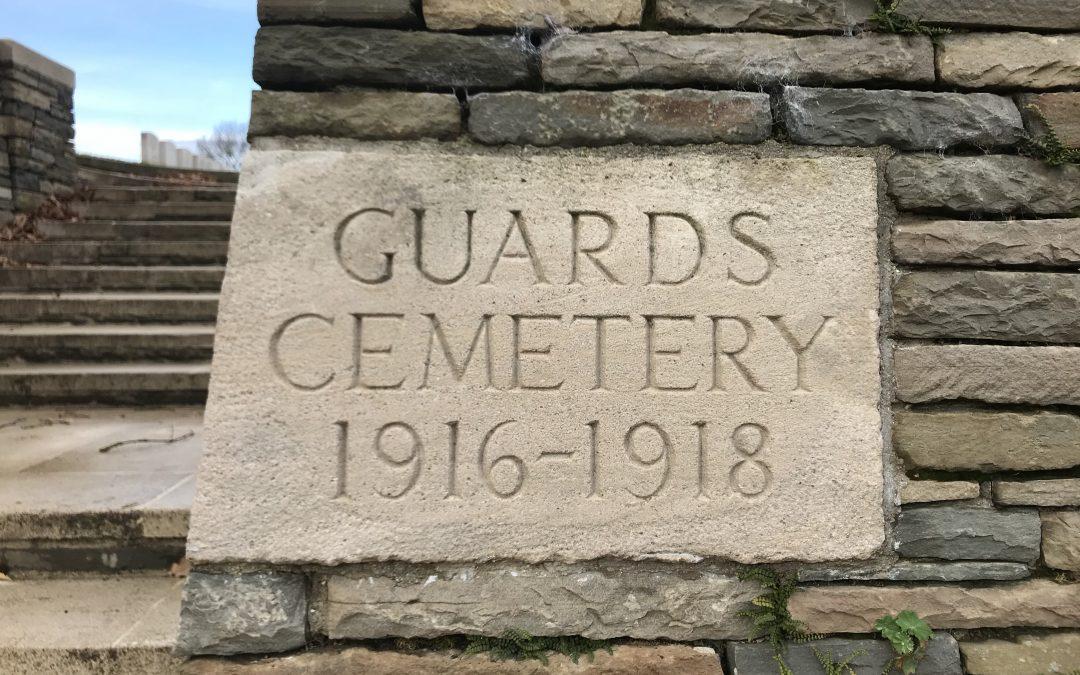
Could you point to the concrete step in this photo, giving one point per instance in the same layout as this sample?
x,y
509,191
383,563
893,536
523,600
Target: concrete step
x,y
89,165
104,307
115,383
39,343
113,230
116,252
93,278
156,210
194,193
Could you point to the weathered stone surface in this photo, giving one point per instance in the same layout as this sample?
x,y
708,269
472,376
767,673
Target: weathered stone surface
x,y
981,305
1047,243
921,491
605,118
1009,60
370,12
854,609
907,570
368,115
968,533
1024,654
14,54
1046,14
814,15
909,120
1061,109
1055,492
1037,375
1061,539
597,600
467,14
532,491
251,613
871,657
625,659
998,184
987,441
637,57
315,57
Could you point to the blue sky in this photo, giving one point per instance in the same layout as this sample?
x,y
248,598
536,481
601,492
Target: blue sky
x,y
173,67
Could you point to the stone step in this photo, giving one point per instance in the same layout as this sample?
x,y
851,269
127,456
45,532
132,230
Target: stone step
x,y
157,194
91,166
156,210
93,278
117,383
116,253
103,307
112,230
100,178
56,342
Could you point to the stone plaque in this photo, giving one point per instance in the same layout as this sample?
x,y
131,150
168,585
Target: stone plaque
x,y
430,353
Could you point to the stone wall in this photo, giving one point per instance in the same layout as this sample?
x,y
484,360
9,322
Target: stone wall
x,y
37,156
981,239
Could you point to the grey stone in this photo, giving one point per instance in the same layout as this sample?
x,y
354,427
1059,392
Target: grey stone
x,y
985,305
250,613
1009,60
780,15
909,120
604,118
991,373
389,115
14,54
1054,492
1061,109
597,600
646,57
314,57
907,570
1045,14
968,533
864,656
986,184
1046,243
370,12
967,440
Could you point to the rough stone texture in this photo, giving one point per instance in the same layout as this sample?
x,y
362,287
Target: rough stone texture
x,y
1037,375
1009,60
370,12
906,570
1061,109
986,441
314,57
627,659
635,57
1024,654
1047,243
968,533
467,14
909,120
1061,539
250,613
605,118
597,600
1059,15
781,15
921,491
854,609
1055,492
981,305
281,385
368,115
872,657
18,56
998,184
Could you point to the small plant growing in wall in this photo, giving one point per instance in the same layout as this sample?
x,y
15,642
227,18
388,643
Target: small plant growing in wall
x,y
1049,147
909,636
887,18
519,645
769,615
833,667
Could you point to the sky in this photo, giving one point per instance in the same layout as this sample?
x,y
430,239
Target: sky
x,y
172,67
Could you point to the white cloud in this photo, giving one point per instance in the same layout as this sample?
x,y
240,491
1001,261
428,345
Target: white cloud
x,y
123,141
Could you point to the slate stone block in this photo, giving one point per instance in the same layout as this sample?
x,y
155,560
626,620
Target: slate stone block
x,y
968,533
869,657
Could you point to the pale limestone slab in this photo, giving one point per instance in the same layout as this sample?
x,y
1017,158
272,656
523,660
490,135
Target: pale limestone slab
x,y
919,491
643,442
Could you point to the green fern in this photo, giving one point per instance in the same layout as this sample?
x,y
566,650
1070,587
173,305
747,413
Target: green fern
x,y
518,645
1049,147
888,19
769,615
833,667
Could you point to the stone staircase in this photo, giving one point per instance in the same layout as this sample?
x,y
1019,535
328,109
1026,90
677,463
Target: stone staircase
x,y
118,307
